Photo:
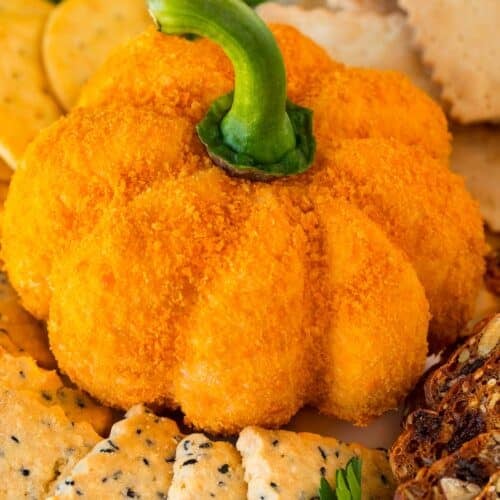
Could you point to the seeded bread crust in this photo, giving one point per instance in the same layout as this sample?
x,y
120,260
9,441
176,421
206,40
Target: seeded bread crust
x,y
460,475
463,399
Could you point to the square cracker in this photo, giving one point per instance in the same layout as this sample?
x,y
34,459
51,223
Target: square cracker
x,y
459,40
284,464
37,443
207,469
25,103
136,461
22,373
73,50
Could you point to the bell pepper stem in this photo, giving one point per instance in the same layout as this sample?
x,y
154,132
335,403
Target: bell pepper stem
x,y
254,125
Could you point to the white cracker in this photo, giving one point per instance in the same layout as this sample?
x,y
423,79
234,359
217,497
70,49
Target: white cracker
x,y
476,156
135,462
382,6
460,41
289,465
37,443
357,38
207,469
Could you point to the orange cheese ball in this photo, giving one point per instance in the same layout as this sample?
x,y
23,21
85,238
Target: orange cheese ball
x,y
165,281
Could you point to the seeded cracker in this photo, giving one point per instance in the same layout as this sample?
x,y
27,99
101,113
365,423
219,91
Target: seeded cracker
x,y
25,103
21,373
207,469
21,334
73,49
136,461
358,38
459,40
37,442
283,464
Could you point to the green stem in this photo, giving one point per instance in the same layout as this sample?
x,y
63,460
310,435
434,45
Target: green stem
x,y
254,124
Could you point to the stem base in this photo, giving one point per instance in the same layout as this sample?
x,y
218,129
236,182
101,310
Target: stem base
x,y
238,164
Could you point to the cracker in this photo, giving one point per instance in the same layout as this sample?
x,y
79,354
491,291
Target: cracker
x,y
25,103
459,40
22,373
476,156
37,443
207,469
358,38
382,6
73,50
284,464
136,461
27,335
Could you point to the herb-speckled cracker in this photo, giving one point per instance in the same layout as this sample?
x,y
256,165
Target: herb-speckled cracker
x,y
289,465
37,443
22,373
459,40
25,103
19,329
73,49
207,469
136,461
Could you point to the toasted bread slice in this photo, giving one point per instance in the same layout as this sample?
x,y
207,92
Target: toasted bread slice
x,y
460,475
470,407
466,359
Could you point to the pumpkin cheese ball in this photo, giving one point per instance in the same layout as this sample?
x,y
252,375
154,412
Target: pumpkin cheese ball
x,y
170,274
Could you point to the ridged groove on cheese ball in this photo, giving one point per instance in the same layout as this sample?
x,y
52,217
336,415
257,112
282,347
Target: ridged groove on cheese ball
x,y
123,295
425,210
71,173
378,310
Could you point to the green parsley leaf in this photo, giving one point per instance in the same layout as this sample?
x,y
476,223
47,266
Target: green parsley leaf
x,y
325,490
348,483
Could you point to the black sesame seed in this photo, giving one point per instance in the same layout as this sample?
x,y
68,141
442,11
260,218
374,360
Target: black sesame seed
x,y
22,374
191,461
223,469
46,396
273,485
69,482
138,431
15,439
130,493
275,442
323,471
206,445
149,442
113,445
116,475
186,444
146,461
220,484
79,493
322,452
383,478
25,472
80,403
337,453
